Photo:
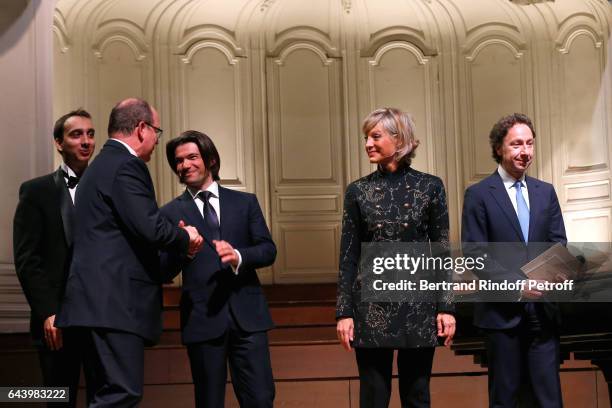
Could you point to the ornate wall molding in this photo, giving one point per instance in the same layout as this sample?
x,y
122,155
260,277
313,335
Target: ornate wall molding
x,y
62,39
302,46
565,43
494,33
527,2
303,35
212,33
414,50
491,41
61,31
123,31
266,4
346,6
98,50
398,35
575,19
195,47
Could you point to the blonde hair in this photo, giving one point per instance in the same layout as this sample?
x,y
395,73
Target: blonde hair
x,y
400,126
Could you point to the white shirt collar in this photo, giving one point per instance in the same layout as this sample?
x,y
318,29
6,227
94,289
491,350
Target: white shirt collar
x,y
507,179
213,188
68,170
127,146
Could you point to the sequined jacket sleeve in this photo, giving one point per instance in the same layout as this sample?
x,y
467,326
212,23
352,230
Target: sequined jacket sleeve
x,y
438,231
350,250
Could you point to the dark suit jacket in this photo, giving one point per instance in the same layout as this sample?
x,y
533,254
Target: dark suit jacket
x,y
488,216
42,239
210,289
115,279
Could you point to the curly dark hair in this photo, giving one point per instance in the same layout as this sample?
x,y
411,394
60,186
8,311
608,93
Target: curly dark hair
x,y
501,128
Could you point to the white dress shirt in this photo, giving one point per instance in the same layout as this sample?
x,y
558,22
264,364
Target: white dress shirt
x,y
127,146
70,173
511,187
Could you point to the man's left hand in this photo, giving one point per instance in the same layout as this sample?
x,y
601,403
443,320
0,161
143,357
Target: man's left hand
x,y
53,335
226,252
446,327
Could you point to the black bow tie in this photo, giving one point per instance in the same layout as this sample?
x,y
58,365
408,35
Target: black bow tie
x,y
72,181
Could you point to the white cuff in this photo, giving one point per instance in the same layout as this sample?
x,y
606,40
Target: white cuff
x,y
235,270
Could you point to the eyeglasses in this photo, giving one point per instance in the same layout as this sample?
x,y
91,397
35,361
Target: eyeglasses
x,y
158,131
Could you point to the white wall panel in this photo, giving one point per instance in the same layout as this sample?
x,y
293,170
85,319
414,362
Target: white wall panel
x,y
26,65
587,191
120,70
211,93
584,130
306,158
309,252
400,76
305,145
495,87
588,225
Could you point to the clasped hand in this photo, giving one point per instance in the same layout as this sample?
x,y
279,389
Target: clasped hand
x,y
225,251
195,239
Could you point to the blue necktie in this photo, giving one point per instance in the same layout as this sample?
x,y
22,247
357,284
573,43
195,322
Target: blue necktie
x,y
210,216
522,210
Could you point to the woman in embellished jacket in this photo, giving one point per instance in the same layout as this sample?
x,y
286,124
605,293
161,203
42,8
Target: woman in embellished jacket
x,y
393,204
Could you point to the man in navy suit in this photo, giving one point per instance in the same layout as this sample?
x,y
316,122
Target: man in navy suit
x,y
113,298
224,314
42,244
510,207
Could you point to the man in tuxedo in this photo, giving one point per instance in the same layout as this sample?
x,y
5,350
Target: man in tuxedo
x,y
510,207
42,244
224,314
113,298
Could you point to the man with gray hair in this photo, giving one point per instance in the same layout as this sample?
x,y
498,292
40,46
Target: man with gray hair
x,y
113,298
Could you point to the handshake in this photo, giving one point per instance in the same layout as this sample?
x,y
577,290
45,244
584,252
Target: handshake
x,y
224,249
195,239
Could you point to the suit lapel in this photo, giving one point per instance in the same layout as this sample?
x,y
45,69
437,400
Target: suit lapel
x,y
226,207
66,205
499,193
192,216
535,200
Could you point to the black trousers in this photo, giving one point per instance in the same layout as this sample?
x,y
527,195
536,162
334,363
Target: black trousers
x,y
375,372
248,355
113,364
524,363
61,368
